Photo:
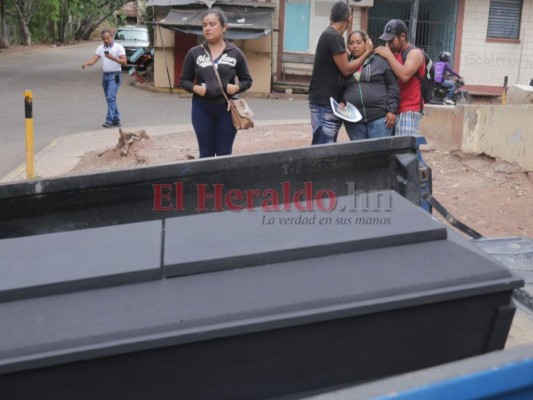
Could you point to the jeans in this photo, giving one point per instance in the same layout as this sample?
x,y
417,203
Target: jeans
x,y
111,83
213,127
371,130
324,123
451,86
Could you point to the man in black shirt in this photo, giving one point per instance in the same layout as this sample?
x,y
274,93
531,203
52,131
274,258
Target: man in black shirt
x,y
330,69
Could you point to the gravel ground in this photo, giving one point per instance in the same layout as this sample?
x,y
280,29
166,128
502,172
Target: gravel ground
x,y
491,196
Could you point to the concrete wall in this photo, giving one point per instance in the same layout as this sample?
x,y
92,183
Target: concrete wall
x,y
259,57
442,126
504,132
520,94
320,11
487,62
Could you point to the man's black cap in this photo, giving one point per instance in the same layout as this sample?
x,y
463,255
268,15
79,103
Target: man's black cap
x,y
393,28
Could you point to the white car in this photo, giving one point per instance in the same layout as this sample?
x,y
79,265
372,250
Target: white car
x,y
132,37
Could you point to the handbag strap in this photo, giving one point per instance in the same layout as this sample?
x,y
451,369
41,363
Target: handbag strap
x,y
217,75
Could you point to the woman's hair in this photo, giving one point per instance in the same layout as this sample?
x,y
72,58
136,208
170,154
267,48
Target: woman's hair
x,y
339,12
363,34
219,13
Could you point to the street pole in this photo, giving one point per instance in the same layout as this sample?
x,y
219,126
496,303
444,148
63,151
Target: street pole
x,y
28,110
165,57
414,21
504,93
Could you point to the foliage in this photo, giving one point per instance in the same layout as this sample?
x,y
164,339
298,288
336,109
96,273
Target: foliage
x,y
41,26
94,13
42,21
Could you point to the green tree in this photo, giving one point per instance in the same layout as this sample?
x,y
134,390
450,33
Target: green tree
x,y
42,27
4,39
24,10
68,11
93,13
54,20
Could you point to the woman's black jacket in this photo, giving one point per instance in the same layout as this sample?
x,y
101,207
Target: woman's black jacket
x,y
198,70
373,89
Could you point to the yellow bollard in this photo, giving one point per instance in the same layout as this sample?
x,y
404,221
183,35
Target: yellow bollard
x,y
28,109
504,93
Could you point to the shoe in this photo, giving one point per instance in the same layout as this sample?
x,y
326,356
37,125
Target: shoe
x,y
107,125
116,123
449,102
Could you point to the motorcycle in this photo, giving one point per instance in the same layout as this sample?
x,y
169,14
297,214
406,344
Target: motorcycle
x,y
460,96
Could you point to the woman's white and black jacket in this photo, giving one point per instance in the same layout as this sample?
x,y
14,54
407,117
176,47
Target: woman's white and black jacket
x,y
374,89
198,70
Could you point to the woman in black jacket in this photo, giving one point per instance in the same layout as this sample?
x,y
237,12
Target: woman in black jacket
x,y
211,118
373,90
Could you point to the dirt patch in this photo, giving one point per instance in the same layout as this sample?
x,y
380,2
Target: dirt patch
x,y
491,196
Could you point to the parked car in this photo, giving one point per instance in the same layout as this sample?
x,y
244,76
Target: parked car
x,y
132,37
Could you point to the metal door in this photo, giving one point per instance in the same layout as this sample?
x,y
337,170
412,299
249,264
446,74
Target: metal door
x,y
432,27
296,37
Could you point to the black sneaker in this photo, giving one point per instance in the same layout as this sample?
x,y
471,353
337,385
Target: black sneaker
x,y
107,125
116,123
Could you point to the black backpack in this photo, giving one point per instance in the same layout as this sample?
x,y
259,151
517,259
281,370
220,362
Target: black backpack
x,y
427,82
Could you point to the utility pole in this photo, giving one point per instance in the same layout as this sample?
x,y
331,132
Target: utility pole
x,y
414,21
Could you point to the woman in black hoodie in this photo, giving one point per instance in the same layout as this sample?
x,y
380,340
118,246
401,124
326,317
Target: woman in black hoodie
x,y
211,118
374,90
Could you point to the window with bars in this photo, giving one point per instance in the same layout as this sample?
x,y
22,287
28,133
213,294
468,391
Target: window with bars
x,y
504,19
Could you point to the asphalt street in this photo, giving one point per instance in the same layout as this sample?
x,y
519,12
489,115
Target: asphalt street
x,y
69,100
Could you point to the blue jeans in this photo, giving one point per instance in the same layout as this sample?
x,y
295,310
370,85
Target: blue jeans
x,y
451,88
213,127
324,123
111,84
371,130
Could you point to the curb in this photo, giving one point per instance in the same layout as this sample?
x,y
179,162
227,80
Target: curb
x,y
182,93
64,153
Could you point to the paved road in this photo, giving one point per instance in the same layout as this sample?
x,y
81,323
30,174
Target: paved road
x,y
67,100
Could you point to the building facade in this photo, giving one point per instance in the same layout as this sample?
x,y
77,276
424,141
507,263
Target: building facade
x,y
489,39
178,27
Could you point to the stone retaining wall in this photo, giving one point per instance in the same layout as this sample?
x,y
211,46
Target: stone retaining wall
x,y
504,132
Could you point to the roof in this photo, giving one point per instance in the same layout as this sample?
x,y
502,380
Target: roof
x,y
210,3
242,23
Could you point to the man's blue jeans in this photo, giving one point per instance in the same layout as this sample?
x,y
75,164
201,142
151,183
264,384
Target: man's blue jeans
x,y
111,83
324,123
371,130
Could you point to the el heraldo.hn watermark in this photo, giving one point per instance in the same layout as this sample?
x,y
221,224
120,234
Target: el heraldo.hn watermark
x,y
201,197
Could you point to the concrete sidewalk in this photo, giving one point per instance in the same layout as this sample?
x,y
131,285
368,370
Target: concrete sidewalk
x,y
63,154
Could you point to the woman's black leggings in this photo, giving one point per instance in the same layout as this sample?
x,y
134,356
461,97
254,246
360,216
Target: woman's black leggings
x,y
213,127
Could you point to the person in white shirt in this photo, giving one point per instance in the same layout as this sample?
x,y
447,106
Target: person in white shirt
x,y
113,58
